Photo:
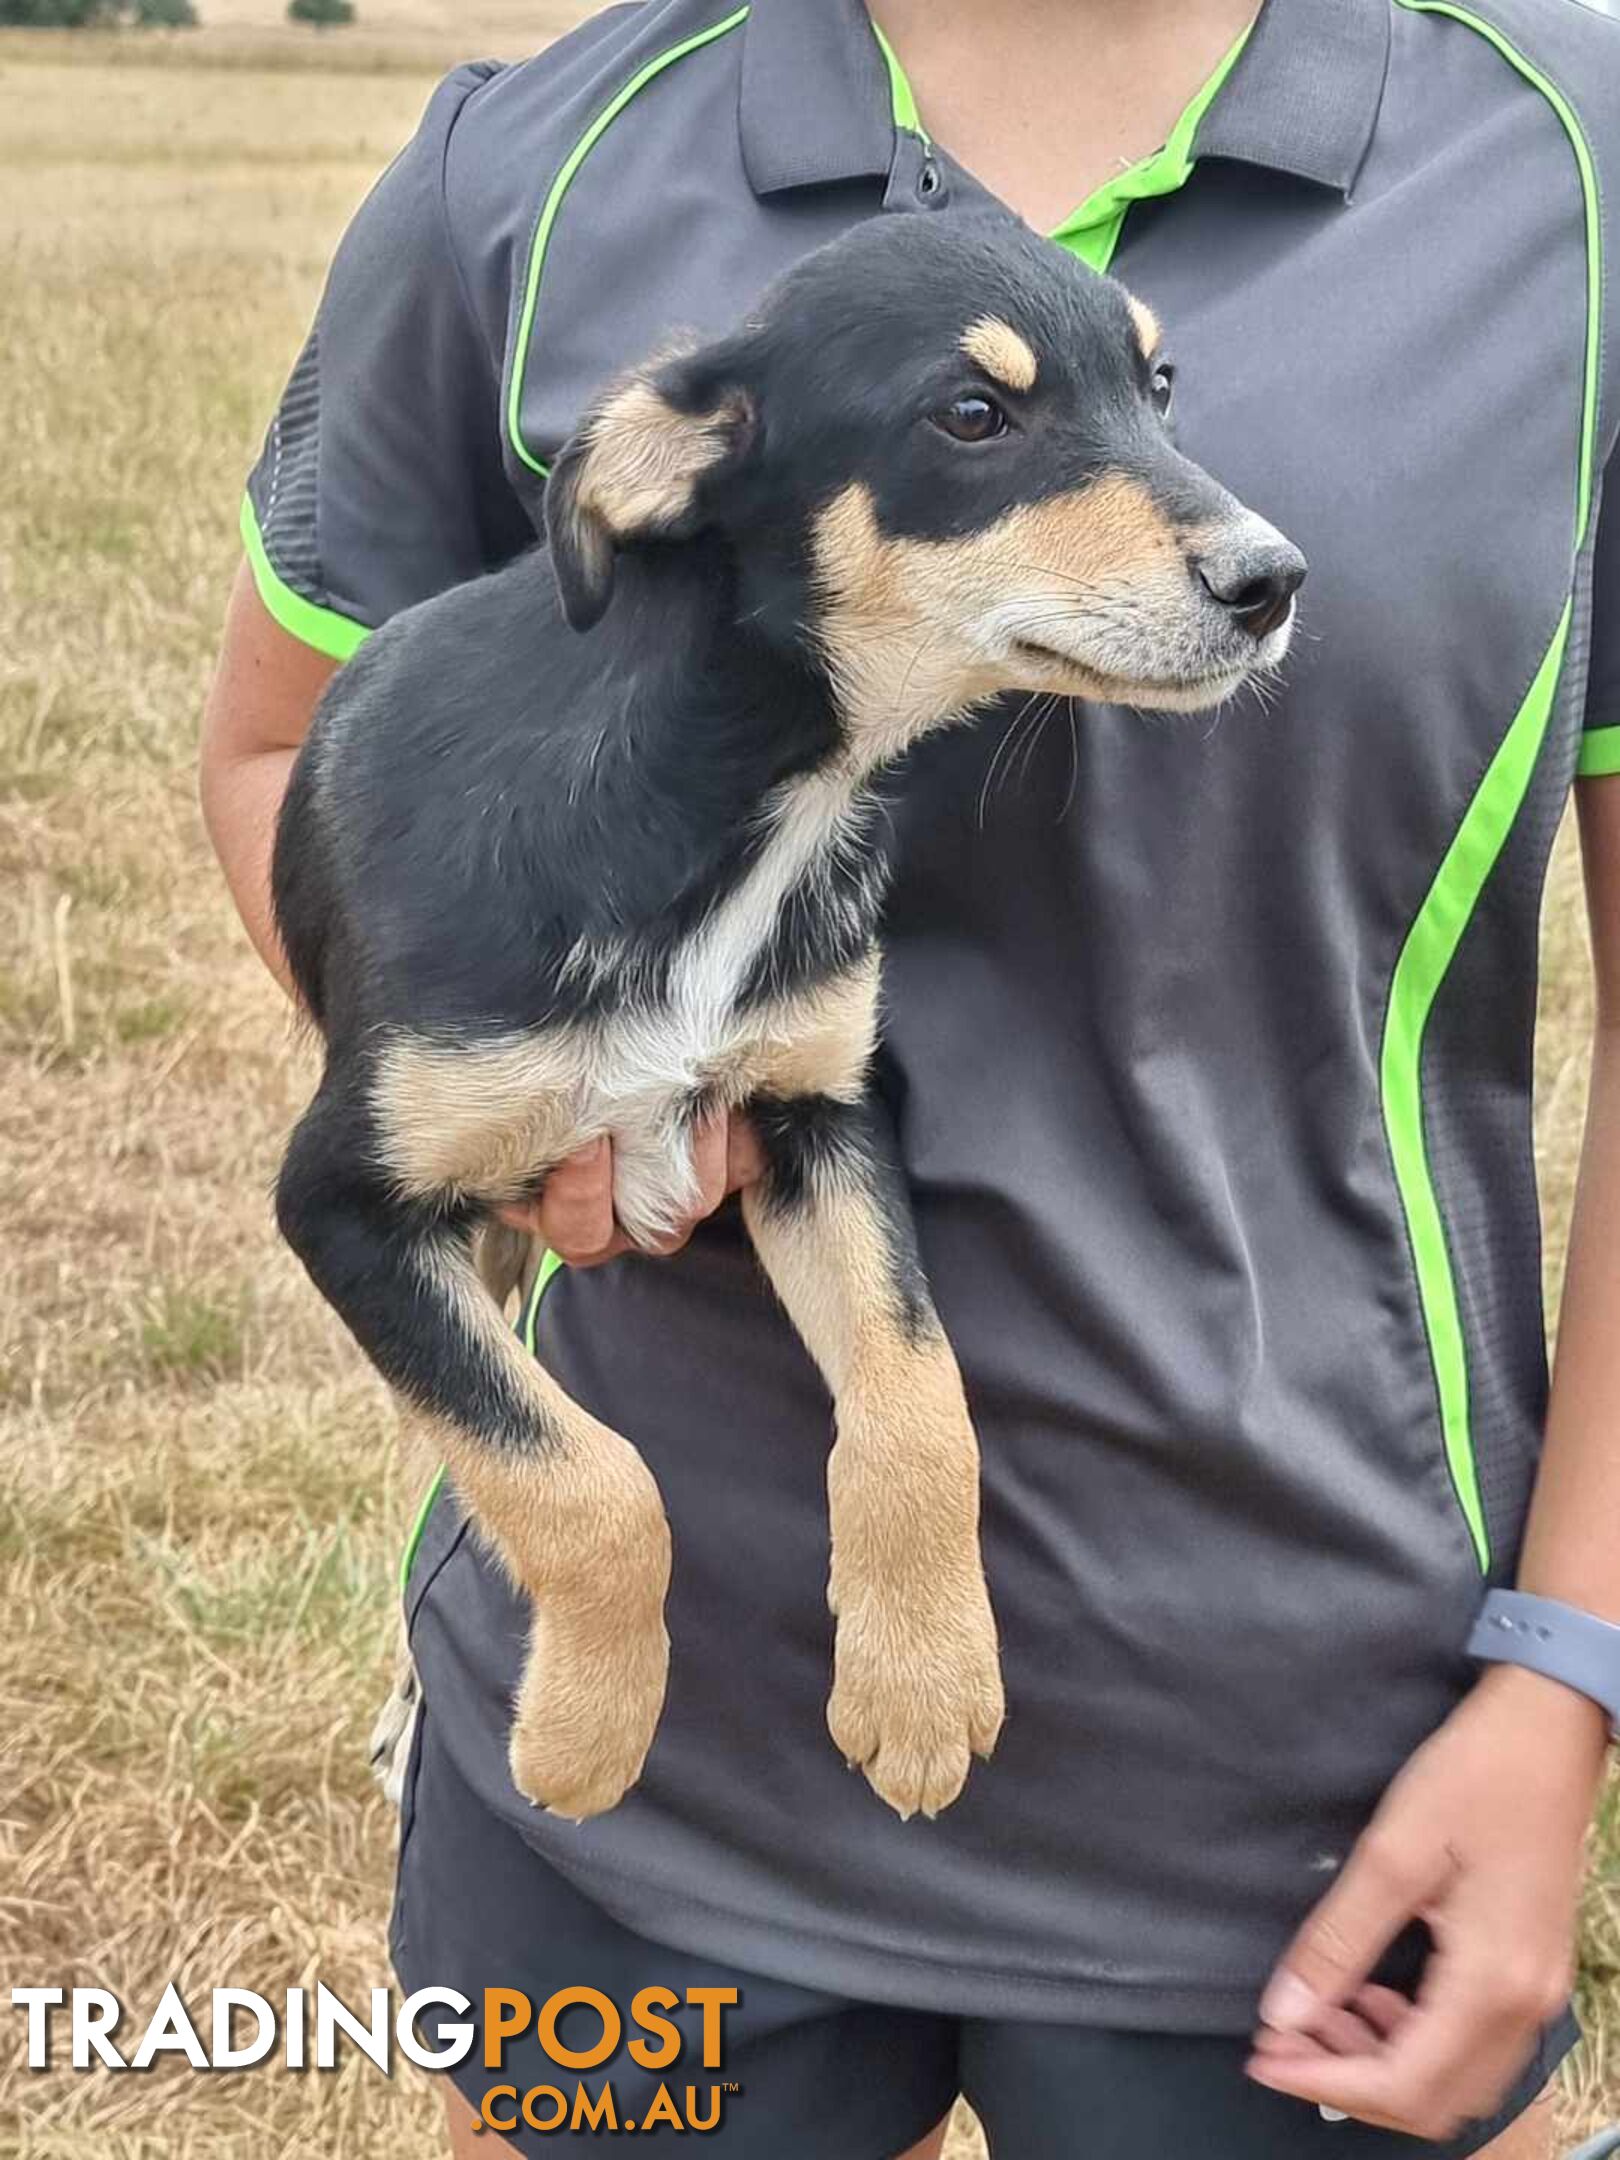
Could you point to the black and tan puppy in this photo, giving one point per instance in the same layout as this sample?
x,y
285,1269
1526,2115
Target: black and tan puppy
x,y
537,886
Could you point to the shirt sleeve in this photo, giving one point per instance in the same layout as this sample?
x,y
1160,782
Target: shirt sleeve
x,y
1600,745
381,480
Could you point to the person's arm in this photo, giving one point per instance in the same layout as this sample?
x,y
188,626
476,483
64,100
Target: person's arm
x,y
1572,1548
265,689
1482,1835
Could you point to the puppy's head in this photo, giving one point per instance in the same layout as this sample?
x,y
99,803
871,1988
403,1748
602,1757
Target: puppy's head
x,y
941,453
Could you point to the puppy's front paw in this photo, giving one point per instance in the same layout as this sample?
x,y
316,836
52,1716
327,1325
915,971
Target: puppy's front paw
x,y
916,1692
588,1710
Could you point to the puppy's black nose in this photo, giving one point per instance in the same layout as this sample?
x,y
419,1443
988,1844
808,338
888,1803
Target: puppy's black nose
x,y
1257,582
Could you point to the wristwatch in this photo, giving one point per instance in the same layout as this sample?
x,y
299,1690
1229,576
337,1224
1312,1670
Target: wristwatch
x,y
1557,1640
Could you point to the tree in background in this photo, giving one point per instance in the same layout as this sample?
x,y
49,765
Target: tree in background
x,y
98,14
324,14
56,14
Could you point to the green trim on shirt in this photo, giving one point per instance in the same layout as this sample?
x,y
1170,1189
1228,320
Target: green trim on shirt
x,y
550,1264
407,1559
1600,753
1426,957
338,636
901,100
554,201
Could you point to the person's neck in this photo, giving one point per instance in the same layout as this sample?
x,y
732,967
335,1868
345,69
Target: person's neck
x,y
1044,100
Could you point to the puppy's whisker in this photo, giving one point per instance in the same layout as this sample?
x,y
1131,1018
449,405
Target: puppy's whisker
x,y
1007,734
1101,586
1033,734
1074,762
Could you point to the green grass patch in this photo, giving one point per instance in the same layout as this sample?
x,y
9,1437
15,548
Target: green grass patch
x,y
192,1335
152,1020
321,1587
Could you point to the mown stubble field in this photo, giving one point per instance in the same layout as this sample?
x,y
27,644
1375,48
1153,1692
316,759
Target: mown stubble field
x,y
200,1502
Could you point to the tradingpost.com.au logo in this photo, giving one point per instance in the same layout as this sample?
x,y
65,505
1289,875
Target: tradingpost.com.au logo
x,y
679,2088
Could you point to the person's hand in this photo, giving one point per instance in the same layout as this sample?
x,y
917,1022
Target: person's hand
x,y
574,1213
1481,1837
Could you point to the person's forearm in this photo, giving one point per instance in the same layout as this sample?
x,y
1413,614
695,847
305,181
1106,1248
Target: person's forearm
x,y
241,798
1573,1536
1572,1548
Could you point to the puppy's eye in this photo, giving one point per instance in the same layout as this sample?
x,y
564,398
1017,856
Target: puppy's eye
x,y
1162,388
972,419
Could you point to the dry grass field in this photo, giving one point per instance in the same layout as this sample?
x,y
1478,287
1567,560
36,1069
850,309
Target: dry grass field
x,y
199,1499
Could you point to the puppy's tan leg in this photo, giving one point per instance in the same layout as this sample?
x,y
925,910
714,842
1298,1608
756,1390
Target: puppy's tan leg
x,y
917,1680
580,1525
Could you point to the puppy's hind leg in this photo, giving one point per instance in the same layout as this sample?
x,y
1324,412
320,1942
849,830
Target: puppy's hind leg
x,y
917,1680
568,1504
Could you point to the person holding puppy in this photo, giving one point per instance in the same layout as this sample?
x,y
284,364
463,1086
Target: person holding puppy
x,y
1209,1055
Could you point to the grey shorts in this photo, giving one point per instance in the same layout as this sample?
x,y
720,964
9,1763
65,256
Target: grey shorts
x,y
804,2075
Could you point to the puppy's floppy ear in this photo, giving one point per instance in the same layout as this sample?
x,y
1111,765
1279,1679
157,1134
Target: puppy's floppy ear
x,y
635,469
581,546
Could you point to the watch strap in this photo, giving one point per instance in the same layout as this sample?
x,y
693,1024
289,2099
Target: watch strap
x,y
1559,1641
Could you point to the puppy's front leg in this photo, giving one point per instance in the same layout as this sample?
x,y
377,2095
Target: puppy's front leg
x,y
568,1504
917,1679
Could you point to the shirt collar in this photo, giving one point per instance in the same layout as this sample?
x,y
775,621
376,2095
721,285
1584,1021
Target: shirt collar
x,y
1302,99
815,105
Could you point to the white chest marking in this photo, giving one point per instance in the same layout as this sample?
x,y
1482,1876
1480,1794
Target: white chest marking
x,y
489,1118
809,820
652,1060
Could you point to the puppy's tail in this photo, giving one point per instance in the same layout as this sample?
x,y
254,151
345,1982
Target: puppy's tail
x,y
505,1257
389,1752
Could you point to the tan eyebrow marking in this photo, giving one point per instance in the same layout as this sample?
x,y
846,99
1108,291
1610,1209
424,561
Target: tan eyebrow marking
x,y
1147,326
1001,351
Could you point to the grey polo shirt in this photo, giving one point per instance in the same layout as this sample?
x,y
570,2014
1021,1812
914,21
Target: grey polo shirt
x,y
1210,1047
